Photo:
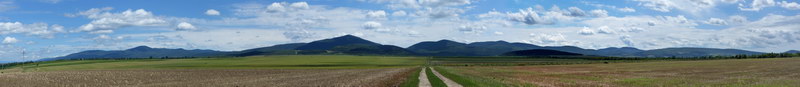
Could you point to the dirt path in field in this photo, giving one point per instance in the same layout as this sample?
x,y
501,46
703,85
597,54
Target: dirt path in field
x,y
193,78
450,83
423,79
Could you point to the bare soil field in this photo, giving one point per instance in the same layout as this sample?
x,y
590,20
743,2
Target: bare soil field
x,y
209,77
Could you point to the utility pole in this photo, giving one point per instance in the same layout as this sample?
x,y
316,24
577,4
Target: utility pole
x,y
23,60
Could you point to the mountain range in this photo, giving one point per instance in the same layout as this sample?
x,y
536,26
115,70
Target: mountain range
x,y
352,45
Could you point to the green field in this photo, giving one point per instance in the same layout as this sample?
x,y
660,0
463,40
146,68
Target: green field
x,y
781,72
253,62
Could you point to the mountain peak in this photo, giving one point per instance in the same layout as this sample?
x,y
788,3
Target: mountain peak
x,y
348,36
140,48
792,51
327,44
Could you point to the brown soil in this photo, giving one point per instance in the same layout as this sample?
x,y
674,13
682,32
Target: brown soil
x,y
193,78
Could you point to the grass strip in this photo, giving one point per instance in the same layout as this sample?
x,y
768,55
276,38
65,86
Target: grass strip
x,y
435,81
469,81
412,80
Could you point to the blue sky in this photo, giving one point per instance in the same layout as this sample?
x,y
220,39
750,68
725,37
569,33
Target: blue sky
x,y
50,28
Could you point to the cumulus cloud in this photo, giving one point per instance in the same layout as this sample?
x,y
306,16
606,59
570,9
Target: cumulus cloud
x,y
599,13
730,1
376,14
549,39
694,7
299,5
284,6
38,29
103,20
212,12
627,9
10,40
396,4
575,11
472,28
608,30
399,13
371,25
436,13
299,35
627,40
790,5
737,19
531,16
756,5
276,7
183,26
716,21
528,16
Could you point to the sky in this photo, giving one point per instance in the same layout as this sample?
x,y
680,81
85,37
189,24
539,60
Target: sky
x,y
52,28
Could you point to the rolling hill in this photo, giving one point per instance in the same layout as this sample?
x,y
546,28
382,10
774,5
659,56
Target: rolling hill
x,y
540,52
353,45
138,52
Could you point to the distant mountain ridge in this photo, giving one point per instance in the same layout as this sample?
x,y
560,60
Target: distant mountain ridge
x,y
138,52
353,45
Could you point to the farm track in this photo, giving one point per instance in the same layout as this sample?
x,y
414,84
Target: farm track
x,y
213,77
423,79
450,83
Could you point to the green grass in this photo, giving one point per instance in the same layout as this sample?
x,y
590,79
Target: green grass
x,y
253,62
435,81
412,80
469,81
773,72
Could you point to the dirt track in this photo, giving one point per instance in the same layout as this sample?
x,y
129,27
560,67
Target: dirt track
x,y
267,77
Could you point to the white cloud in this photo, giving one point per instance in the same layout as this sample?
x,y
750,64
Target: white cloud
x,y
549,39
531,16
790,5
737,19
371,25
399,13
38,29
716,21
376,14
185,26
212,12
599,13
299,5
730,1
276,7
436,13
575,11
627,9
528,16
693,7
10,40
472,28
657,5
757,5
103,20
397,4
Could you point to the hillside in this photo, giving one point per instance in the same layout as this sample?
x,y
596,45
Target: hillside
x,y
353,45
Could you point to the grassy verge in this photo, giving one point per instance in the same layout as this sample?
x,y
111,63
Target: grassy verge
x,y
412,80
435,81
469,81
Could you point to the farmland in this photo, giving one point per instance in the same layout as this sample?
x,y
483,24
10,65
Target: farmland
x,y
727,72
320,70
